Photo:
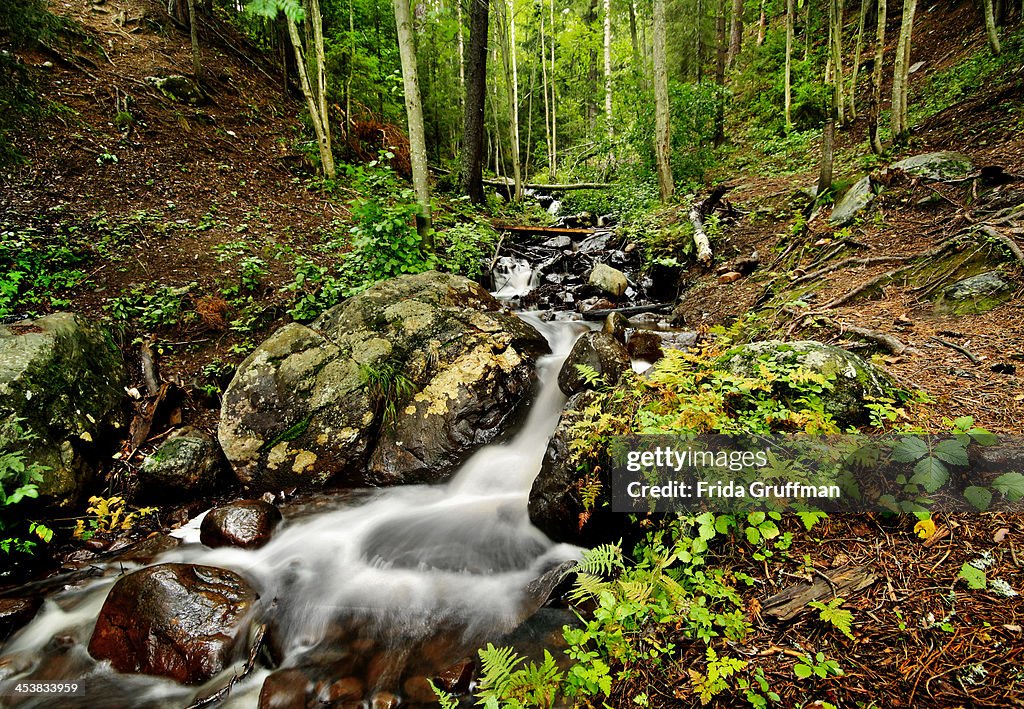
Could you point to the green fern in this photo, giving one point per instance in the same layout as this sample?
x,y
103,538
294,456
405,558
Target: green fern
x,y
839,618
588,586
603,560
505,684
497,666
446,700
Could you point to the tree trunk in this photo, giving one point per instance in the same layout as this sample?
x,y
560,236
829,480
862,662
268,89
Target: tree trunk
x,y
507,43
698,49
320,125
827,139
720,59
901,73
864,6
473,109
462,48
316,20
547,97
836,34
807,27
638,66
990,27
608,68
197,65
736,32
662,130
553,174
414,114
589,18
762,25
790,12
876,80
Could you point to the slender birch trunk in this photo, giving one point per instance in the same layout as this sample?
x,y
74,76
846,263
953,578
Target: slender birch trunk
x,y
554,102
414,114
762,25
197,65
864,4
545,89
836,33
608,69
990,27
901,73
790,12
316,20
320,125
661,109
876,80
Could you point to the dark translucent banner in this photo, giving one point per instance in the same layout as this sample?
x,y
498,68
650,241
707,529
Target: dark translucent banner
x,y
964,470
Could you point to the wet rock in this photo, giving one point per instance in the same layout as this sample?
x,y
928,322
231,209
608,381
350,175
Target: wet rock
x,y
395,385
943,165
615,325
182,621
977,294
16,613
854,379
384,700
585,306
248,524
598,242
285,689
730,277
346,689
561,241
186,464
62,383
417,689
853,202
178,88
599,351
610,280
456,678
645,345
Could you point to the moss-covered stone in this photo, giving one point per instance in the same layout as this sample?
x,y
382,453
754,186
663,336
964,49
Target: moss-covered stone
x,y
394,385
854,380
976,294
185,465
61,396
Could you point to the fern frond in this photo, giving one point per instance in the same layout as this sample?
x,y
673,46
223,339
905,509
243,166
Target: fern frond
x,y
602,560
588,586
497,666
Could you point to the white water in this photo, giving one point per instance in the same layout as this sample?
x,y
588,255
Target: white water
x,y
513,277
412,563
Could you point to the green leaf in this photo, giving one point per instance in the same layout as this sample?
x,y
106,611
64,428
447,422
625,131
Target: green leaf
x,y
753,536
756,517
909,449
952,452
930,473
983,437
768,529
980,497
802,671
974,578
1010,485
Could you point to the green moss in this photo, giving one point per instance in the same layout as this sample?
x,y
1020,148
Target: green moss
x,y
289,434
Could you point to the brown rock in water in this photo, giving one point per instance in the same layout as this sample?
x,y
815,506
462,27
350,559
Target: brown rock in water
x,y
247,523
456,678
615,325
346,689
418,690
285,689
645,345
181,621
16,613
384,700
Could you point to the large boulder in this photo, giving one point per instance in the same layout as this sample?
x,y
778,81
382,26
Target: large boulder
x,y
181,621
854,201
854,380
976,294
395,385
600,352
61,397
943,165
186,464
248,524
610,280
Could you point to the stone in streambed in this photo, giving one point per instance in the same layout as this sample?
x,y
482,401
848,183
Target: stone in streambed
x,y
600,352
182,621
248,524
610,280
615,325
186,464
645,345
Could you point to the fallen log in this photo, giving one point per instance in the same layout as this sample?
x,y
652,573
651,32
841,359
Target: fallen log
x,y
698,213
602,313
528,229
554,187
792,601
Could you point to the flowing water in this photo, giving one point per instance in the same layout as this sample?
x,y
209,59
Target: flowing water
x,y
422,571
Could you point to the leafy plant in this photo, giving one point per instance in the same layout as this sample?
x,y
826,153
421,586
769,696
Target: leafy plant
x,y
161,308
19,481
816,665
834,615
506,683
107,515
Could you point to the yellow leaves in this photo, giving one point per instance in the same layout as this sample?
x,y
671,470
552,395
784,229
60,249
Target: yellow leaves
x,y
109,514
925,528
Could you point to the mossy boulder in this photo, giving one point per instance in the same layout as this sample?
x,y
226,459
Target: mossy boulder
x,y
942,165
854,380
62,399
599,351
395,385
185,465
179,88
854,201
976,294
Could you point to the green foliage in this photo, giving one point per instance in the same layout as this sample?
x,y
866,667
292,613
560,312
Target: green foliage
x,y
388,386
975,578
506,683
466,248
833,614
35,270
816,666
161,308
19,481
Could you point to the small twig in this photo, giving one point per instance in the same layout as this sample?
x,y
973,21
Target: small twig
x,y
953,346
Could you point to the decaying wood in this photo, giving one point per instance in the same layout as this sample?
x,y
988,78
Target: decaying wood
x,y
792,601
602,313
149,368
953,346
890,342
527,229
553,187
697,215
